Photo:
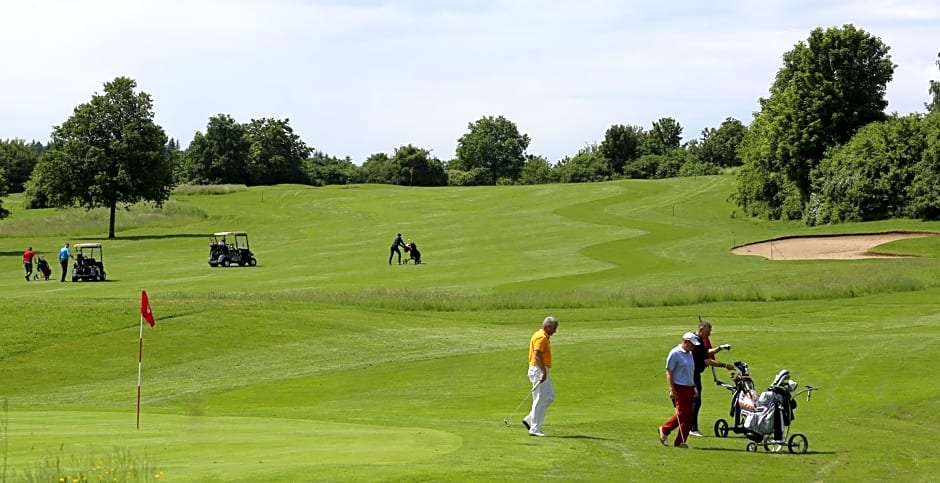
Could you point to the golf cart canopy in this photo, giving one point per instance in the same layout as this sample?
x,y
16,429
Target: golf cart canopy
x,y
232,233
87,245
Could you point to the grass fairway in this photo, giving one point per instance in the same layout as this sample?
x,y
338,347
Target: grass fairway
x,y
323,363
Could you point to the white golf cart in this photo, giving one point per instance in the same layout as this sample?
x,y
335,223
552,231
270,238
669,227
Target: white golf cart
x,y
89,263
228,247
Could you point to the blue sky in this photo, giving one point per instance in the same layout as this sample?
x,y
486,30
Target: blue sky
x,y
360,77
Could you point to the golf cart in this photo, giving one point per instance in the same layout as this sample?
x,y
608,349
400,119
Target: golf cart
x,y
89,263
228,247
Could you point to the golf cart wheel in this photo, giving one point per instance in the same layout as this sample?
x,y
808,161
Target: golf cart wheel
x,y
721,428
101,277
74,278
252,262
752,447
798,443
225,262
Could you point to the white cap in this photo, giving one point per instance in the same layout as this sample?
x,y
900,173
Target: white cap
x,y
691,338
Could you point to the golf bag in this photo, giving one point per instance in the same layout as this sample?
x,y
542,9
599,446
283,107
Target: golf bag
x,y
772,411
743,400
412,250
42,269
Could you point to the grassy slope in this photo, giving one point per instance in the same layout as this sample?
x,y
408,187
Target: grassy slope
x,y
325,363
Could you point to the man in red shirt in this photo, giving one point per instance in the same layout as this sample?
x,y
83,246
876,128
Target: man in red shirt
x,y
28,261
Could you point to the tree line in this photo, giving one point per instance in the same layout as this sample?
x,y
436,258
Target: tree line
x,y
821,149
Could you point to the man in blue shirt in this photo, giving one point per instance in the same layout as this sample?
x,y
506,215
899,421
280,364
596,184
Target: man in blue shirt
x,y
64,255
680,376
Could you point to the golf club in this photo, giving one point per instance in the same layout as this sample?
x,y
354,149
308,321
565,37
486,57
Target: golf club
x,y
513,413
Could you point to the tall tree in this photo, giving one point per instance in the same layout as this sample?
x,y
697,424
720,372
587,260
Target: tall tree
x,y
665,136
277,154
18,159
829,86
869,177
220,156
414,166
109,151
720,146
495,145
925,188
620,146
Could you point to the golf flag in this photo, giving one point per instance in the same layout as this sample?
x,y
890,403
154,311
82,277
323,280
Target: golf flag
x,y
145,311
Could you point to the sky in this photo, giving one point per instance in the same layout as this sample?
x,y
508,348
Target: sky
x,y
359,77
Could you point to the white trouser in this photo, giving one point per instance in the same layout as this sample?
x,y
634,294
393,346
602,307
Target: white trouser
x,y
542,397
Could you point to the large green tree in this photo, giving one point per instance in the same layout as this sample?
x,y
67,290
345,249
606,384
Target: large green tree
x,y
719,146
830,85
108,152
18,159
220,156
495,145
414,166
277,154
621,145
868,177
925,188
664,136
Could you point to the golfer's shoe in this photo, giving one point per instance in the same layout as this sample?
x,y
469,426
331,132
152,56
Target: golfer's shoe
x,y
695,432
526,424
683,445
662,438
536,433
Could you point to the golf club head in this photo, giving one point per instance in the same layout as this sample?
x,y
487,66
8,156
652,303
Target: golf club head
x,y
506,422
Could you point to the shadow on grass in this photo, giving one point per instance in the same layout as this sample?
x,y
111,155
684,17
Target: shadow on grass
x,y
764,452
146,237
581,436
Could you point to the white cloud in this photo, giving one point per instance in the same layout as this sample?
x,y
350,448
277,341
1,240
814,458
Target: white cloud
x,y
358,77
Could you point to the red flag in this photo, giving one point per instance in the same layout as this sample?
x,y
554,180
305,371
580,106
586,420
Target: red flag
x,y
145,311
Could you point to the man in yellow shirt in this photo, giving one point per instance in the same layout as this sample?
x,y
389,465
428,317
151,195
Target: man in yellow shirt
x,y
540,360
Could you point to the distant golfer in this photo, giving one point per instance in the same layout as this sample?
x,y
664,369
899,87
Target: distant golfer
x,y
395,244
679,376
28,261
540,360
64,255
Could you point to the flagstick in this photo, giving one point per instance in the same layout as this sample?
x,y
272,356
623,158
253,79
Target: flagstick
x,y
140,358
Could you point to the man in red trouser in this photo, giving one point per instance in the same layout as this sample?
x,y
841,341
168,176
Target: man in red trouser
x,y
680,369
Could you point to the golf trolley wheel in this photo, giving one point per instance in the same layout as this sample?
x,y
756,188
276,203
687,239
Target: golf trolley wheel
x,y
721,428
798,443
752,447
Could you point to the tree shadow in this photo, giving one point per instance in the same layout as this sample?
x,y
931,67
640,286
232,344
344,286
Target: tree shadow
x,y
147,237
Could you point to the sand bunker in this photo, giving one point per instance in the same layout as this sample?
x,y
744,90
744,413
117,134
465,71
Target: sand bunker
x,y
835,247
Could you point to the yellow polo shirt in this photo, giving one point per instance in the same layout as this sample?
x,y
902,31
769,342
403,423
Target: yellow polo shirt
x,y
539,342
